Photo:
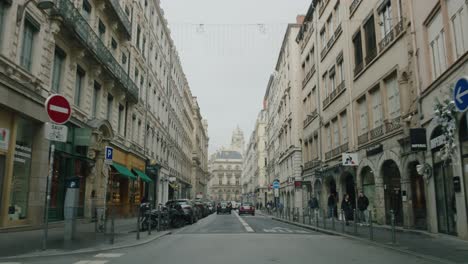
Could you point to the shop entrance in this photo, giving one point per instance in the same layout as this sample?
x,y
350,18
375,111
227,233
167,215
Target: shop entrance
x,y
392,192
418,197
368,186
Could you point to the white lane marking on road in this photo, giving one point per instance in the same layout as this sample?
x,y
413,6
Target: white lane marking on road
x,y
10,262
246,226
59,109
108,255
284,230
92,262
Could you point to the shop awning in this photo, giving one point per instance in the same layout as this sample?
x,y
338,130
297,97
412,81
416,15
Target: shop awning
x,y
123,171
142,175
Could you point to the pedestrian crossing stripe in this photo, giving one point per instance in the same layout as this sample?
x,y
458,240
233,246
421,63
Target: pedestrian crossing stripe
x,y
92,262
108,255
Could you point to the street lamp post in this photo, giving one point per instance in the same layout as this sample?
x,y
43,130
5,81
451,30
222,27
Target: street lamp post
x,y
41,4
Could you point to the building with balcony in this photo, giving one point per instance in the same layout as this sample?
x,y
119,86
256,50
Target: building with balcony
x,y
285,120
441,46
117,65
225,169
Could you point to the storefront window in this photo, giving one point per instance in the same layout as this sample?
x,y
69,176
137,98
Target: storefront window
x,y
18,208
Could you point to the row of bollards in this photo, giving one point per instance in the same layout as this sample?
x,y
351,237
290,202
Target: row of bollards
x,y
314,216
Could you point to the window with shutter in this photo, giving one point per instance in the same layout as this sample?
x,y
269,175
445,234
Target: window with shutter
x,y
363,116
344,127
436,40
336,134
329,137
393,97
458,17
376,108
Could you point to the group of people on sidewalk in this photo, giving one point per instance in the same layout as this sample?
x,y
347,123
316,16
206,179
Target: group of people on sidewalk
x,y
347,206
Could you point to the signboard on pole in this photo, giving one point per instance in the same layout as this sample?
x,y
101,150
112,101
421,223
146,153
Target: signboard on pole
x,y
276,185
55,132
58,109
460,94
109,156
4,138
276,192
350,159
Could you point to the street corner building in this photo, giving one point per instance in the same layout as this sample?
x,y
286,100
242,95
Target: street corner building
x,y
374,80
116,63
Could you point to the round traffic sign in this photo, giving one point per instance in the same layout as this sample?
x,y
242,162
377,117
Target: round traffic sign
x,y
58,108
460,94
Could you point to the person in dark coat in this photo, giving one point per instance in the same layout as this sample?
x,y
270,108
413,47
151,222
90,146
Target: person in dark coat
x,y
347,208
363,204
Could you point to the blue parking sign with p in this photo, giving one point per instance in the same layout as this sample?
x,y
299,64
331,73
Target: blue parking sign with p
x,y
109,153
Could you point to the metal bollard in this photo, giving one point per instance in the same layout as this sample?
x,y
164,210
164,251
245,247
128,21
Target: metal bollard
x,y
138,225
96,220
343,221
150,224
159,220
355,222
333,219
371,230
316,216
310,216
303,216
392,214
324,220
112,228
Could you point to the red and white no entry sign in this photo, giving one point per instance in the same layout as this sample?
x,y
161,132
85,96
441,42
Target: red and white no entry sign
x,y
58,108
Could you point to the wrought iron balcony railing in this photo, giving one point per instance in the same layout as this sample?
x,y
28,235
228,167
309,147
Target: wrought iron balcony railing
x,y
364,138
371,54
354,6
344,147
328,155
336,151
358,68
377,132
86,35
123,18
393,124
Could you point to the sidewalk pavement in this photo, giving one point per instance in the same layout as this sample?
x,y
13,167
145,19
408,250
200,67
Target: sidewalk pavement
x,y
27,243
439,247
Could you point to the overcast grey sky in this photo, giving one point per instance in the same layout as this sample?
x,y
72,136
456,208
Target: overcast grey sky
x,y
228,50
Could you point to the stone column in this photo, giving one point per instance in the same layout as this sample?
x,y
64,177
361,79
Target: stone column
x,y
408,215
379,199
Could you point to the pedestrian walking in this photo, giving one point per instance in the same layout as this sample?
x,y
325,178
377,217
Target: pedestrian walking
x,y
331,205
347,208
363,204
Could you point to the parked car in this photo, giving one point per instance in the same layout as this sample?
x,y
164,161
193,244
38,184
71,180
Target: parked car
x,y
246,208
223,208
190,213
203,209
211,208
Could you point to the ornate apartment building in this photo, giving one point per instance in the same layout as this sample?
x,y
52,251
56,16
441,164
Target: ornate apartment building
x,y
116,63
376,77
225,168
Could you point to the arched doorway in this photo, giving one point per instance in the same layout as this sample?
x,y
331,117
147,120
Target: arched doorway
x,y
418,197
368,186
443,177
349,187
392,192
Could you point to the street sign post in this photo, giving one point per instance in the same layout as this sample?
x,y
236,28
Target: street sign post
x,y
350,159
460,94
276,185
109,157
58,108
59,111
55,132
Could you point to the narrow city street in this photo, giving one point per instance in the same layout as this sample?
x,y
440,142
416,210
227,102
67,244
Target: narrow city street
x,y
242,239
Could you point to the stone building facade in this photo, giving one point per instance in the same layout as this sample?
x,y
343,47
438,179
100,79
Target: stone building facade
x,y
116,63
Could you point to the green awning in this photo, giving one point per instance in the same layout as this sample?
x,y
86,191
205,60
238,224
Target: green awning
x,y
123,171
142,175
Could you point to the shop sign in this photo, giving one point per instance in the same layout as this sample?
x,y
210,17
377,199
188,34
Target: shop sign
x,y
297,184
82,137
438,141
172,179
22,154
418,139
4,138
374,150
55,132
349,159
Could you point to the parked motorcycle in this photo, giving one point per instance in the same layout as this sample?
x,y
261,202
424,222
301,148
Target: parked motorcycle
x,y
176,216
146,215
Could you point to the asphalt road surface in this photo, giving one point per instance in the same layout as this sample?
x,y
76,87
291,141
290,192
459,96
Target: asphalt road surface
x,y
233,239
